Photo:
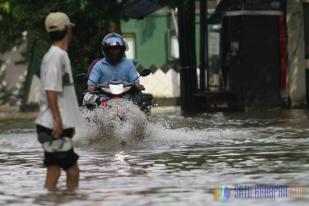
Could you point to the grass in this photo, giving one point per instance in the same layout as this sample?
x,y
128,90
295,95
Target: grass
x,y
17,123
12,119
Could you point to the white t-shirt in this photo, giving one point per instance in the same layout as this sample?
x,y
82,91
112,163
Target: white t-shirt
x,y
56,75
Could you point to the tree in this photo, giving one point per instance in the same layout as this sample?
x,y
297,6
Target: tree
x,y
92,19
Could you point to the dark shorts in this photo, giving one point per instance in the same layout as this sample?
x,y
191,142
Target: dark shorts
x,y
65,160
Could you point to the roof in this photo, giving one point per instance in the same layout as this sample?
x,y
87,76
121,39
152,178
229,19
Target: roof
x,y
141,8
249,6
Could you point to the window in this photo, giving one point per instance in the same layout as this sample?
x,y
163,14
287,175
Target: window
x,y
131,52
214,43
174,47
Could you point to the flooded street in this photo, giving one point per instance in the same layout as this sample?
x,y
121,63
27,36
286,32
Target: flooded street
x,y
181,161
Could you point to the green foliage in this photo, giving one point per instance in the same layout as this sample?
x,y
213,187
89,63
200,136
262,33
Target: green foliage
x,y
92,18
17,123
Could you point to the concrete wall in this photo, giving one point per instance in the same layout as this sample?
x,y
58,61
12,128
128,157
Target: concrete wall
x,y
296,52
13,72
161,84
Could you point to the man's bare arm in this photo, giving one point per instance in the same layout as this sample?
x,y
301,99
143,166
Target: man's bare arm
x,y
53,105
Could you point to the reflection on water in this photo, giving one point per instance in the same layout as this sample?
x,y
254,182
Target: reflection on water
x,y
180,162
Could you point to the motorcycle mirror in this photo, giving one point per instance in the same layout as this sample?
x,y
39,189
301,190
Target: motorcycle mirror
x,y
145,72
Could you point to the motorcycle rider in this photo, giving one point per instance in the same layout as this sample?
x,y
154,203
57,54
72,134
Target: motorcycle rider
x,y
113,66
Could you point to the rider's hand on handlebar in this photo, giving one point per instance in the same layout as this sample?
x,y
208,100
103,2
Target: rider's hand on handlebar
x,y
91,88
140,87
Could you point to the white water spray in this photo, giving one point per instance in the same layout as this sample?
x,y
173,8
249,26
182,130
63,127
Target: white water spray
x,y
120,121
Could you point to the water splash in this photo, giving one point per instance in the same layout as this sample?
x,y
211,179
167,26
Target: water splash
x,y
120,121
18,142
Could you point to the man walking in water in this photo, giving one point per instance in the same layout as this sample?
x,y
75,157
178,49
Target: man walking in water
x,y
58,105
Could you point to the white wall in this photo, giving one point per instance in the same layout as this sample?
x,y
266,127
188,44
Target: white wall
x,y
161,84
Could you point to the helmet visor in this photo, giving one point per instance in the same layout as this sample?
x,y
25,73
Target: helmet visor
x,y
114,41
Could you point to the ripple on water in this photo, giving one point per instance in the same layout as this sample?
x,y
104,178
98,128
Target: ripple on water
x,y
179,162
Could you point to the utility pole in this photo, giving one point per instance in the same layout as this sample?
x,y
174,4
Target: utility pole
x,y
204,43
187,55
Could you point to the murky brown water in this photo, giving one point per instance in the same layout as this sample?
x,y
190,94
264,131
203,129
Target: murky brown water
x,y
180,162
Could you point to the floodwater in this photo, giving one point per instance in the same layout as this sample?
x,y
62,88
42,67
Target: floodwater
x,y
181,161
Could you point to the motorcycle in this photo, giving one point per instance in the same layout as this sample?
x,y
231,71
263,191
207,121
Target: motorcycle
x,y
125,104
117,89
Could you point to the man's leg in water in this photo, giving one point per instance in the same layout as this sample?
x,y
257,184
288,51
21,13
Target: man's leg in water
x,y
73,177
53,174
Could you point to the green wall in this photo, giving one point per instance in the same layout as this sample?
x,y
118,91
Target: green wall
x,y
150,36
152,39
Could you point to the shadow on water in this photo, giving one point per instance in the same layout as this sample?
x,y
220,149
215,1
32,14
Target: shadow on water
x,y
180,161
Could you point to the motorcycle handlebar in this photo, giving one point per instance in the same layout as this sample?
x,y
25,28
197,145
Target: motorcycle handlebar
x,y
106,85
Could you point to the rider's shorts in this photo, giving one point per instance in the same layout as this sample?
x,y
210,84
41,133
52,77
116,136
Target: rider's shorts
x,y
66,159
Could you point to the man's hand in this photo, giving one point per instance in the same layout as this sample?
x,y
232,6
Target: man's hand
x,y
140,87
58,129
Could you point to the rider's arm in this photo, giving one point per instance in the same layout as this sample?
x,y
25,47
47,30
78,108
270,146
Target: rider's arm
x,y
134,77
93,78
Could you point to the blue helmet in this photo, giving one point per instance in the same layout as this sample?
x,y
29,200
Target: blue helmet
x,y
117,41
